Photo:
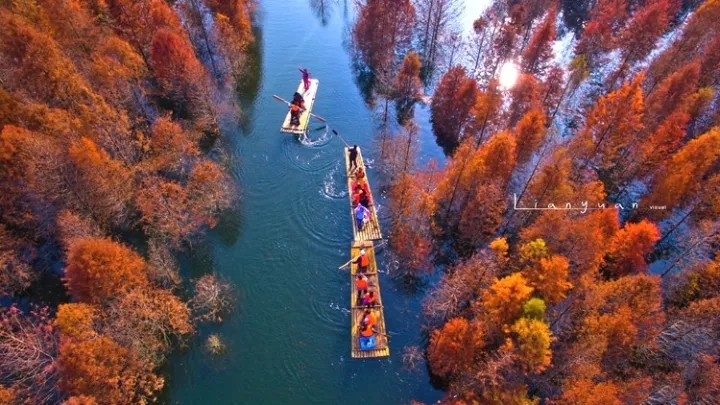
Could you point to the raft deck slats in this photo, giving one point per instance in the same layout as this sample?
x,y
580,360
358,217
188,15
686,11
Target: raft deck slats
x,y
309,97
371,230
381,349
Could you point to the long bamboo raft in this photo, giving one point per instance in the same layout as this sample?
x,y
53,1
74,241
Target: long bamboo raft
x,y
381,348
309,97
371,230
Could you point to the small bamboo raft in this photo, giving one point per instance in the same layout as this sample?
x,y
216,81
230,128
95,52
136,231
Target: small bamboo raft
x,y
371,229
309,97
381,347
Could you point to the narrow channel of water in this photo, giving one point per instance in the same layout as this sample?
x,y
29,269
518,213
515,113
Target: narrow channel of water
x,y
289,341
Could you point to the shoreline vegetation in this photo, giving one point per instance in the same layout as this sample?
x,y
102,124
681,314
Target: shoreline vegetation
x,y
612,101
107,109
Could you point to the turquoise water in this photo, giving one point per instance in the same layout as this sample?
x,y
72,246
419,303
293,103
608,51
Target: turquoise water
x,y
289,339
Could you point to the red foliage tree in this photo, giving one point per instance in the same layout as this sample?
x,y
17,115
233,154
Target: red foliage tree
x,y
629,246
638,38
607,18
525,96
454,98
382,31
539,50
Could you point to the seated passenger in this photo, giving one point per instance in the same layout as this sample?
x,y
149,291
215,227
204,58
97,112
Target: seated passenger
x,y
370,299
369,319
362,287
362,215
367,338
364,200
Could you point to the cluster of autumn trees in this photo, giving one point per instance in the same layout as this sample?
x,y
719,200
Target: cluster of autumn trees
x,y
103,105
562,306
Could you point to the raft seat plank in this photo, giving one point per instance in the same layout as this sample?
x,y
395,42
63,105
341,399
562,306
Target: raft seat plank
x,y
309,97
371,230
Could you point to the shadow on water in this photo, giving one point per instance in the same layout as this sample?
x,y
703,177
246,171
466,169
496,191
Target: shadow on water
x,y
229,226
248,86
197,261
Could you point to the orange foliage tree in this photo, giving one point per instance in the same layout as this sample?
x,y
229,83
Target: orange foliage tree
x,y
679,182
611,126
106,188
100,269
413,204
101,368
504,300
454,97
453,349
529,134
182,77
407,87
586,391
485,113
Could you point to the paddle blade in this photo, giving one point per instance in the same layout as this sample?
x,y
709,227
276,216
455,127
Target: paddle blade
x,y
320,128
335,132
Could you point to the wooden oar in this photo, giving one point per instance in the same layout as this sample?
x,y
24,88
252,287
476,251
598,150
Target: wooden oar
x,y
341,138
288,103
349,261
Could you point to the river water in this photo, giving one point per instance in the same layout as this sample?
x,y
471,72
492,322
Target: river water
x,y
288,342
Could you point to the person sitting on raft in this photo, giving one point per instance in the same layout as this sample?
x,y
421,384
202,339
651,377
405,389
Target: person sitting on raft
x,y
369,319
362,215
362,287
362,261
364,200
370,299
366,337
358,192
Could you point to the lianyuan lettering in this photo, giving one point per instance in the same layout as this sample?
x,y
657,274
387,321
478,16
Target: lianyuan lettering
x,y
583,206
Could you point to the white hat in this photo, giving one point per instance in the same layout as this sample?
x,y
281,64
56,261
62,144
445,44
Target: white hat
x,y
362,252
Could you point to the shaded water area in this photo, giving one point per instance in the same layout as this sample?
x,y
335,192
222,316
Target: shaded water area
x,y
288,342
